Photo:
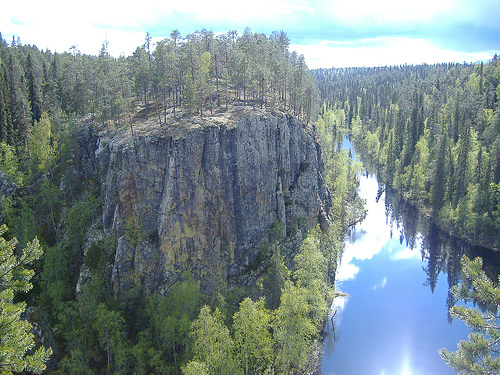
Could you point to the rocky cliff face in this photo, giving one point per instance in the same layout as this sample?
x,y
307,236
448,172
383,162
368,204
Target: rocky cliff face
x,y
200,194
7,188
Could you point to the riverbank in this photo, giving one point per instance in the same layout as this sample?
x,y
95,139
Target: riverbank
x,y
425,210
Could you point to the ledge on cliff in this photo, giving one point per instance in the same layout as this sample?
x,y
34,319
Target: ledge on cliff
x,y
200,194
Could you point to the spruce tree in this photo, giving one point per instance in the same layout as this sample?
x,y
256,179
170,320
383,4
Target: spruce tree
x,y
34,91
5,124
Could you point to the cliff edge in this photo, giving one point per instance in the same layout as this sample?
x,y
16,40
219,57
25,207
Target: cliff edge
x,y
201,193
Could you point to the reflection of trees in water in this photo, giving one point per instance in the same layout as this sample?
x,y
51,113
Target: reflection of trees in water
x,y
440,251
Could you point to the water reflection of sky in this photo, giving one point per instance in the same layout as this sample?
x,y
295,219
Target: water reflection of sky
x,y
390,323
371,236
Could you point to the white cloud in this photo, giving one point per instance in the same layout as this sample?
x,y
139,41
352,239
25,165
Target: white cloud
x,y
369,242
88,24
380,285
480,12
347,271
406,253
366,26
381,51
368,12
339,303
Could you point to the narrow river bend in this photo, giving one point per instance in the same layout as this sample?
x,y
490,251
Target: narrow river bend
x,y
397,269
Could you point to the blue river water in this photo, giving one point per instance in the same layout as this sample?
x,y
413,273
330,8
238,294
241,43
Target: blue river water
x,y
393,321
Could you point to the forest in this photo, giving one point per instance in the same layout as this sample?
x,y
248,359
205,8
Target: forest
x,y
431,132
51,106
196,73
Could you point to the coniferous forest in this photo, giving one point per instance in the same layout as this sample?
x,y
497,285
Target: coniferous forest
x,y
195,73
432,132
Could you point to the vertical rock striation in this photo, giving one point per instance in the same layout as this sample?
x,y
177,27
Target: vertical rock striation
x,y
200,197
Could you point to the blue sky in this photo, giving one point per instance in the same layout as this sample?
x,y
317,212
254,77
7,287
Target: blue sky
x,y
330,33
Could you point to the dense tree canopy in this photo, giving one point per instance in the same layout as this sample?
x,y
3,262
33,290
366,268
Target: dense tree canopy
x,y
431,132
50,93
198,72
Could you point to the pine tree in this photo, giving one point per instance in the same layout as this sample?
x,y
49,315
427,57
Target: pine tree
x,y
16,338
142,76
203,78
173,65
480,353
438,180
161,65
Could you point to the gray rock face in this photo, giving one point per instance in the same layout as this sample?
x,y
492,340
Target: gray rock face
x,y
200,199
7,187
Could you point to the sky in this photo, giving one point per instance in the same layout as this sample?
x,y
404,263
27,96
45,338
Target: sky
x,y
329,33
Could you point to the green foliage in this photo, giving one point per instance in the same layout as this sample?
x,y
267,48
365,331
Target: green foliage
x,y
134,231
293,328
273,281
42,145
213,344
331,245
195,368
311,273
56,278
276,233
17,340
78,218
340,170
90,330
276,340
100,254
109,325
252,335
162,344
479,354
9,163
430,132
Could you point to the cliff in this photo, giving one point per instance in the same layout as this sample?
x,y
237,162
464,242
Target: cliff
x,y
201,193
7,187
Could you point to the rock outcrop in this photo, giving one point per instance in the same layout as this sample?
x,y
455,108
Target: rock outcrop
x,y
200,194
7,188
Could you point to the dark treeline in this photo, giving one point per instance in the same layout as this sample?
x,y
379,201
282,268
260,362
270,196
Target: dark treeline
x,y
432,132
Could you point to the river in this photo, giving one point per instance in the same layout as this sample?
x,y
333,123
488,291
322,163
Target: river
x,y
397,268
